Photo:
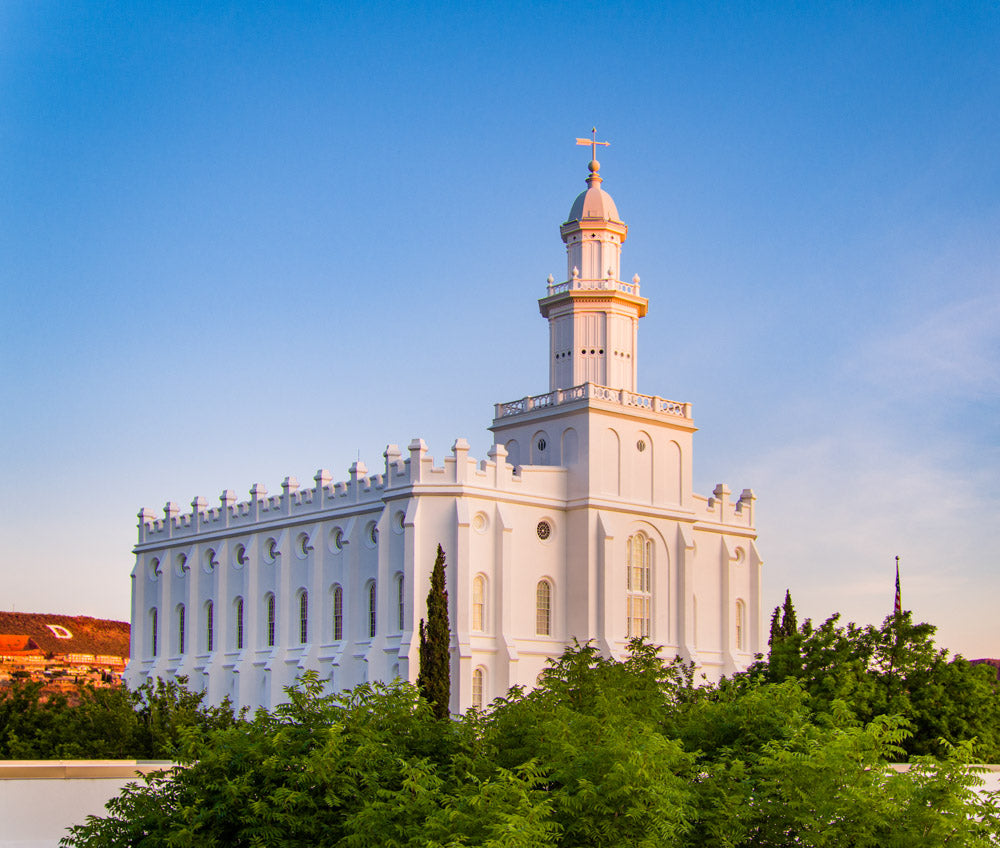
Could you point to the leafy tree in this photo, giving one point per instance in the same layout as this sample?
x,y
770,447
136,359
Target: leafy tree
x,y
103,723
601,753
892,670
434,679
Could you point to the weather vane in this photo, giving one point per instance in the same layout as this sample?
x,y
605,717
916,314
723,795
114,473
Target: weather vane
x,y
593,142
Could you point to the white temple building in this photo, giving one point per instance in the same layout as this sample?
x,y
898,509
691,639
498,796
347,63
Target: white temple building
x,y
580,524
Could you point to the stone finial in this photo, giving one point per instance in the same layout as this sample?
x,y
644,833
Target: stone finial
x,y
199,504
576,272
258,491
322,478
635,279
461,444
227,498
721,491
358,469
747,496
170,510
550,279
146,516
289,484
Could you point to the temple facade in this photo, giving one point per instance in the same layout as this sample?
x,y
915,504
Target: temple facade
x,y
581,523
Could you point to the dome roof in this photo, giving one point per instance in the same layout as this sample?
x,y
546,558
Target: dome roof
x,y
595,202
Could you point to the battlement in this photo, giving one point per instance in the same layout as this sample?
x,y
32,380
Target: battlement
x,y
719,509
619,397
362,490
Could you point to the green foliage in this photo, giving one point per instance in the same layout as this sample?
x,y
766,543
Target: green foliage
x,y
106,723
602,753
892,670
434,680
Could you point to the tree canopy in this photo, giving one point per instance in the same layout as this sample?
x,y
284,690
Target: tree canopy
x,y
601,753
891,670
434,680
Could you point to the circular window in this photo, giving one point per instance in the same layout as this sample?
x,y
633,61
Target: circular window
x,y
154,569
544,530
241,555
641,445
542,444
373,533
480,522
398,522
303,546
272,550
337,539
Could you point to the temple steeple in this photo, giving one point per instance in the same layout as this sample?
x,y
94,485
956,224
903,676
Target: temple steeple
x,y
593,316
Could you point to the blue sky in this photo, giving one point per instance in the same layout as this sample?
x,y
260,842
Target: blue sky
x,y
239,243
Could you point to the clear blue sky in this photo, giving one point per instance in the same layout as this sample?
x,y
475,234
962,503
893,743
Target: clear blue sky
x,y
239,243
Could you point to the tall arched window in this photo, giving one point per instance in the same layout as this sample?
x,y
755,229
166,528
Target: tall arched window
x,y
303,617
372,609
401,598
154,629
639,599
269,603
479,604
210,626
740,626
478,677
543,608
239,624
338,613
180,629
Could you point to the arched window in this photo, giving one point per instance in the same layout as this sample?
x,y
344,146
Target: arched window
x,y
239,624
154,629
477,688
740,626
338,613
543,608
180,629
269,604
303,617
372,609
479,604
210,626
640,586
401,597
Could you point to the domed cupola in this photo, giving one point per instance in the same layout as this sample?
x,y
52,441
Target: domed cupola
x,y
594,204
593,316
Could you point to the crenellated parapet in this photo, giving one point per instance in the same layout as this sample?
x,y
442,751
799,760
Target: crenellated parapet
x,y
361,491
720,509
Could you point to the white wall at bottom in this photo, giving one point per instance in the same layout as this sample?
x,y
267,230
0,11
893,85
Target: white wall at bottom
x,y
40,799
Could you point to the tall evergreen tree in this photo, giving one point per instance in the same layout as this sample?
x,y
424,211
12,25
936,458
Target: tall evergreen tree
x,y
434,680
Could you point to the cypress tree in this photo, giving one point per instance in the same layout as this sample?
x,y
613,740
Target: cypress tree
x,y
434,679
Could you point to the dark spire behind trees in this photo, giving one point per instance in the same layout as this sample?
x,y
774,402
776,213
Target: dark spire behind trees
x,y
434,680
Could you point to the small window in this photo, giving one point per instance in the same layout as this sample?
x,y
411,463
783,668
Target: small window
x,y
239,624
303,618
153,621
338,613
639,600
477,689
270,621
180,629
401,597
210,626
740,626
372,609
543,608
479,604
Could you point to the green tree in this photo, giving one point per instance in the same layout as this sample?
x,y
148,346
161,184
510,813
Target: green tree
x,y
434,679
602,753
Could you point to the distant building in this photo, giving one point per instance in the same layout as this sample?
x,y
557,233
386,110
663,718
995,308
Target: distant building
x,y
41,646
580,524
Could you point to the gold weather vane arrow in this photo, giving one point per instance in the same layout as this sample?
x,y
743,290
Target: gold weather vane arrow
x,y
593,142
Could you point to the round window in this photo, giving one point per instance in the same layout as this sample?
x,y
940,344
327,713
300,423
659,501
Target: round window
x,y
641,445
544,530
542,444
